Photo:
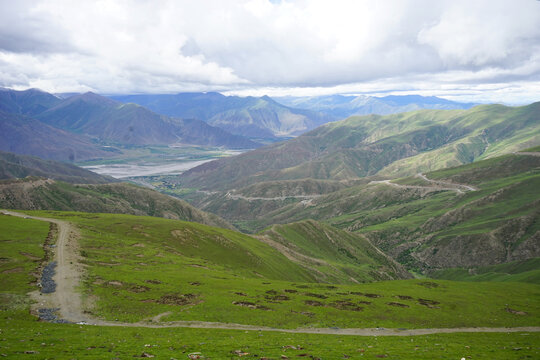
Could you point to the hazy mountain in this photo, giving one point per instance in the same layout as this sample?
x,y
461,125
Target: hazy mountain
x,y
111,121
361,146
343,106
24,135
13,166
28,102
255,117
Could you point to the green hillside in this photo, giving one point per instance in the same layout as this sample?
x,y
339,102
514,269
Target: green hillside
x,y
138,267
332,255
399,144
120,198
426,225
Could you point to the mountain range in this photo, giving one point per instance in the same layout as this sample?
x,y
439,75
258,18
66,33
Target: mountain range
x,y
392,145
343,106
89,126
254,117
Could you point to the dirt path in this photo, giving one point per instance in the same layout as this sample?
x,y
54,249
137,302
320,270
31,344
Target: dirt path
x,y
527,153
68,274
437,185
281,198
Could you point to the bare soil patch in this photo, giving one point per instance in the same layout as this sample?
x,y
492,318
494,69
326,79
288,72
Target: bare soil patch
x,y
178,299
346,305
516,312
397,304
313,303
251,305
319,296
429,303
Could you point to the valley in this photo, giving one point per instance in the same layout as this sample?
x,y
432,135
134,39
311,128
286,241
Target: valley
x,y
270,180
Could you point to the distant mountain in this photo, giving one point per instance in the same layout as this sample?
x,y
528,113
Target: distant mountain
x,y
343,106
118,198
28,102
111,121
255,117
24,135
399,144
13,166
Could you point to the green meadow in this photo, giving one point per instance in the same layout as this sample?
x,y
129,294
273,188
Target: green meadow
x,y
139,267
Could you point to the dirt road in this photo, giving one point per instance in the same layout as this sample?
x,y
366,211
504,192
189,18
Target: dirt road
x,y
437,185
68,274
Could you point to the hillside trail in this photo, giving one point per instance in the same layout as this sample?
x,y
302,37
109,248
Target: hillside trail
x,y
68,300
231,196
437,185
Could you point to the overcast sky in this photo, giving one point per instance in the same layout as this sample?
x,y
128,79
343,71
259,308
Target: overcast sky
x,y
473,50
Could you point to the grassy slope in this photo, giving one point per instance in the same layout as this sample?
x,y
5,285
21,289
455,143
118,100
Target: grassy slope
x,y
362,146
120,198
429,229
339,254
22,336
136,264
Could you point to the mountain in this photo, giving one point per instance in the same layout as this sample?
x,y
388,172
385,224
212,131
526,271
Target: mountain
x,y
28,102
400,144
111,121
13,166
254,117
117,198
332,255
25,135
343,106
455,223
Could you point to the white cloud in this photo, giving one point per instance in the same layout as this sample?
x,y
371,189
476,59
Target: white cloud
x,y
127,46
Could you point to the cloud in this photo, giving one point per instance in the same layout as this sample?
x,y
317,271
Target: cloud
x,y
128,46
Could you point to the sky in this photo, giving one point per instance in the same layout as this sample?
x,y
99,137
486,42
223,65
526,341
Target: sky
x,y
475,51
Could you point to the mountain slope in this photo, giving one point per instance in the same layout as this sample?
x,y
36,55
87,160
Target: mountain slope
x,y
28,102
24,135
430,225
112,121
19,166
341,256
344,106
119,198
363,146
248,116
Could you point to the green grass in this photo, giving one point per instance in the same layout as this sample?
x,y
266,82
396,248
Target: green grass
x,y
517,271
135,266
21,244
63,341
21,336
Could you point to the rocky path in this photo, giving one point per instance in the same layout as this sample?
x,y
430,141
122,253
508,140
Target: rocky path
x,y
67,301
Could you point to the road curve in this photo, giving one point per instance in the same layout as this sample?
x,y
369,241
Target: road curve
x,y
69,301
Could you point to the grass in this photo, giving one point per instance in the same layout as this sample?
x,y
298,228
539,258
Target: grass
x,y
21,243
21,336
516,271
136,270
64,341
